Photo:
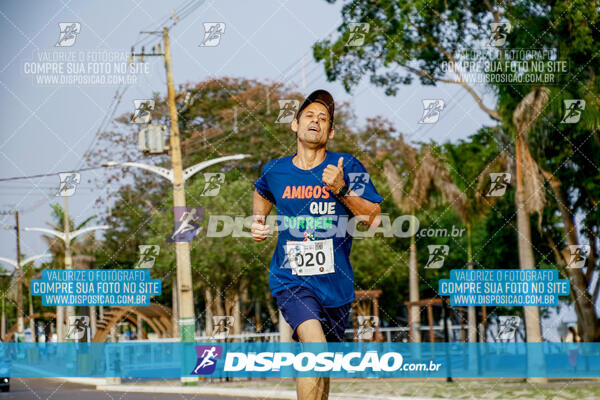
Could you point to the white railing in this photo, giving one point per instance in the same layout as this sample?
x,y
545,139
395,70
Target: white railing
x,y
454,333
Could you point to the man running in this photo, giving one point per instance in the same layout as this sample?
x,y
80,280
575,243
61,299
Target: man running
x,y
310,275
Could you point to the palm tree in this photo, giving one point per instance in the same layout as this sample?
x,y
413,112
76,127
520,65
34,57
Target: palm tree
x,y
471,179
529,197
427,172
81,247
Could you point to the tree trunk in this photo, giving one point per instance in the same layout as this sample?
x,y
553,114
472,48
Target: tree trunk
x,y
3,322
396,184
587,323
413,278
237,315
527,261
218,302
92,310
273,314
471,318
60,324
208,298
31,319
257,318
139,327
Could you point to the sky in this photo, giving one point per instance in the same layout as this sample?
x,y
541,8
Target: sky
x,y
47,128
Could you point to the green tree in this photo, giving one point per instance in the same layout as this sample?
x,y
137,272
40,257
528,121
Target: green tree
x,y
419,39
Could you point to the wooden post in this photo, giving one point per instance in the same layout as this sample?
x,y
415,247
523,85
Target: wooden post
x,y
355,319
461,310
484,319
376,313
19,281
430,321
410,326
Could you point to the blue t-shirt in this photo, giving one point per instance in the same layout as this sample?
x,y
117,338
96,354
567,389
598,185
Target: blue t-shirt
x,y
307,209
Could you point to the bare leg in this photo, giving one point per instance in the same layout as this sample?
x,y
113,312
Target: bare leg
x,y
312,388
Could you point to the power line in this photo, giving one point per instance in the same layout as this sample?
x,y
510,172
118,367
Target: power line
x,y
32,207
183,12
108,116
15,178
187,7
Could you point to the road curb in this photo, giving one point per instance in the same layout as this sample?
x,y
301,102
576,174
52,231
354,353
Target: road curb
x,y
240,392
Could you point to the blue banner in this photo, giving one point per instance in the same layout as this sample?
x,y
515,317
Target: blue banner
x,y
347,359
96,287
504,287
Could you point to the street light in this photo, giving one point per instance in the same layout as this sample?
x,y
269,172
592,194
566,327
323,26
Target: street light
x,y
168,173
17,265
66,237
182,252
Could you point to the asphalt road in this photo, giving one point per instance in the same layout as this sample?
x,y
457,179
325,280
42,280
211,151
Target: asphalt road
x,y
51,389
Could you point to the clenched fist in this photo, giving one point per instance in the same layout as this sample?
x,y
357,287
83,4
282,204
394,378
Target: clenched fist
x,y
259,230
334,176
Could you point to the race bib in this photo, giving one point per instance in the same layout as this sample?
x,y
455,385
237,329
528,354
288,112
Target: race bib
x,y
311,257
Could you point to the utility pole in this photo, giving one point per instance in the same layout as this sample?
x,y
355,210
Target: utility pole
x,y
182,249
177,176
20,321
18,277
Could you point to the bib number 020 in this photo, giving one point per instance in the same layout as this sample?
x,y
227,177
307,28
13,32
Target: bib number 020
x,y
313,257
318,258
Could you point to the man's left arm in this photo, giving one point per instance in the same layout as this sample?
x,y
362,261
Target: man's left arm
x,y
367,212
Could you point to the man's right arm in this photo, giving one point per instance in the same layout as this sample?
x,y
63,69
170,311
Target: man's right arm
x,y
261,207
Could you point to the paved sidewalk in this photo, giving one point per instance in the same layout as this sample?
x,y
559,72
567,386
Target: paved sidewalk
x,y
107,385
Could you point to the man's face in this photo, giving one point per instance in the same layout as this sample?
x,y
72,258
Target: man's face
x,y
313,127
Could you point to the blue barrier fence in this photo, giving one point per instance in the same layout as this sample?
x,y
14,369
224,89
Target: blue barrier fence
x,y
388,359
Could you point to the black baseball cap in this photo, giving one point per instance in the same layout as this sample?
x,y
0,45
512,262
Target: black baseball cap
x,y
319,96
